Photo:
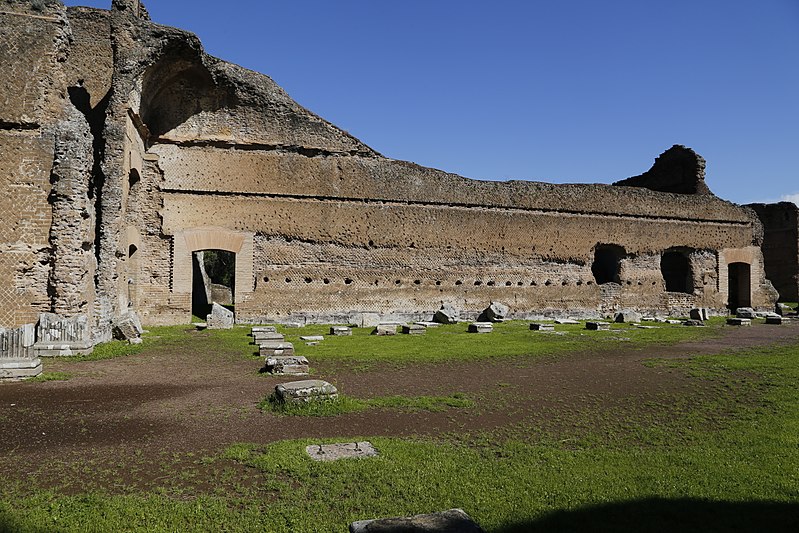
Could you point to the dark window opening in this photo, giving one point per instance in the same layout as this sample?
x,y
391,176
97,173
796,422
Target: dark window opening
x,y
132,250
676,270
606,267
133,178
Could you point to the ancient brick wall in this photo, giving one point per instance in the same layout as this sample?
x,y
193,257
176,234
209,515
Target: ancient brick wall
x,y
781,246
126,149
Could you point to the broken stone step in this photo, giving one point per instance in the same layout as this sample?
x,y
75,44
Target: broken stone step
x,y
342,450
286,364
542,327
427,324
597,326
414,329
312,338
308,390
340,330
276,348
263,329
739,321
481,327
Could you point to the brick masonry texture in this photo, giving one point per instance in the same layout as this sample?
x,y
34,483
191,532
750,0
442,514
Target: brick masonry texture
x,y
126,149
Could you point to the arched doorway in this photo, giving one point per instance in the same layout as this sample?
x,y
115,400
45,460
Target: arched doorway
x,y
606,267
739,285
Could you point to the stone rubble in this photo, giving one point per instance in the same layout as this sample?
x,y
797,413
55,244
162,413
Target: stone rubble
x,y
219,317
286,364
343,450
451,521
447,314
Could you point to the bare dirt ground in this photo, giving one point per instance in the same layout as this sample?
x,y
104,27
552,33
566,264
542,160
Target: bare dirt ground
x,y
129,422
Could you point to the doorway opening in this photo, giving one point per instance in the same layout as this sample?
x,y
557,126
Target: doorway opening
x,y
213,280
676,270
739,288
606,267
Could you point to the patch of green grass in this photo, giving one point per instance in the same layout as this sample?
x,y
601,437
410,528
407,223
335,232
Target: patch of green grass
x,y
50,376
347,404
453,342
722,464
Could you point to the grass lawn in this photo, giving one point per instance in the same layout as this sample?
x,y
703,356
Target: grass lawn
x,y
728,460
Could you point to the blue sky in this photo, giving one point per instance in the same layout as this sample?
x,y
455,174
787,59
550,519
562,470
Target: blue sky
x,y
558,91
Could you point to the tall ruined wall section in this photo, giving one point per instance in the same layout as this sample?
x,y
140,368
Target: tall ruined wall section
x,y
781,246
47,260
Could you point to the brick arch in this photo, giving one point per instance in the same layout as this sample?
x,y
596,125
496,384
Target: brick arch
x,y
192,240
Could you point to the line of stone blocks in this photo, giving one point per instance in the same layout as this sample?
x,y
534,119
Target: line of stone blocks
x,y
305,391
597,326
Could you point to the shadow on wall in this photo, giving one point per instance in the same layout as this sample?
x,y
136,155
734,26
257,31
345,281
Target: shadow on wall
x,y
662,515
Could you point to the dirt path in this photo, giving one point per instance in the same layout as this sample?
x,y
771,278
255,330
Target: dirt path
x,y
189,400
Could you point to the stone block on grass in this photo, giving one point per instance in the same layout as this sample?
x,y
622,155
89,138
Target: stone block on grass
x,y
542,327
219,317
451,521
339,331
699,313
385,329
414,329
774,320
481,327
286,364
270,349
447,314
597,326
735,321
305,391
342,450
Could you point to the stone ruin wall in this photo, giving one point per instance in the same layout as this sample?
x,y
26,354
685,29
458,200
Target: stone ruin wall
x,y
781,246
111,191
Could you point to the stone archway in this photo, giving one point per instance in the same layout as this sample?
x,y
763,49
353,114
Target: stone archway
x,y
188,241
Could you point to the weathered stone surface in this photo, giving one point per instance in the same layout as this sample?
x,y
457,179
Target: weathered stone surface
x,y
263,329
308,390
447,314
427,324
700,313
566,321
774,320
220,318
59,336
451,521
495,312
745,312
783,309
481,327
128,326
15,370
739,321
542,327
340,330
343,450
286,364
316,338
627,316
692,322
273,348
414,329
260,338
597,326
385,329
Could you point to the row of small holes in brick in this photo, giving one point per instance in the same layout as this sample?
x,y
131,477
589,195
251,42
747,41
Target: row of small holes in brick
x,y
477,283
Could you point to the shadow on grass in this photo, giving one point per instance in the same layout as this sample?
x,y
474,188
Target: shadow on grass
x,y
656,515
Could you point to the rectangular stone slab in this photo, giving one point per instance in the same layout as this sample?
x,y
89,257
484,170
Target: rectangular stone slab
x,y
340,330
542,327
776,320
342,450
385,329
286,364
739,321
304,391
481,327
413,329
263,329
312,338
276,348
428,324
597,326
258,338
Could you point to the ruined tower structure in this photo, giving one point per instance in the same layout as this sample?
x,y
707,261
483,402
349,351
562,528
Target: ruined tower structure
x,y
126,150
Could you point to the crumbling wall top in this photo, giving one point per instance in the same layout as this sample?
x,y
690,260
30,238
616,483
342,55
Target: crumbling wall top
x,y
678,170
